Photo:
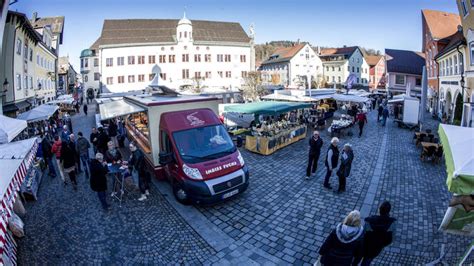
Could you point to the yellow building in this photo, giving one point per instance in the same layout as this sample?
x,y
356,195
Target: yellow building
x,y
466,11
45,69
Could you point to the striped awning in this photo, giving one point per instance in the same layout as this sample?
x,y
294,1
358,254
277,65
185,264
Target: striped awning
x,y
20,166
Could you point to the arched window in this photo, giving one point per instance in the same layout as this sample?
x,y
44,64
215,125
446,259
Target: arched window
x,y
86,79
455,64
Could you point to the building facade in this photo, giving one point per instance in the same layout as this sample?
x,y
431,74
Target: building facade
x,y
67,76
188,53
291,67
466,12
18,64
404,72
437,27
376,72
44,83
339,63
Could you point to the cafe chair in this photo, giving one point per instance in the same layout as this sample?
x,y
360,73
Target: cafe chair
x,y
420,139
435,140
428,131
428,153
430,137
438,154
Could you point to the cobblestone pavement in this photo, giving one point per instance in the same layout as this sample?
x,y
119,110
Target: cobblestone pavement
x,y
68,227
280,219
289,217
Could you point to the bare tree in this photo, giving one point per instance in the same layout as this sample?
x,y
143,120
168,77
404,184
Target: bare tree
x,y
252,88
197,84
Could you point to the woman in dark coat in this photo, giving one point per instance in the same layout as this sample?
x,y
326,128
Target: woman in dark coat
x,y
344,243
68,158
98,179
345,168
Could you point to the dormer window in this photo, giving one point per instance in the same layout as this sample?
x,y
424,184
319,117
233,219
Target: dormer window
x,y
185,34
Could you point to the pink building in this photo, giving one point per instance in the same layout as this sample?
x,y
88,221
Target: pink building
x,y
376,72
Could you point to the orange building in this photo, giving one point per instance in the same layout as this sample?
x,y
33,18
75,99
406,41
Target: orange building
x,y
376,72
437,25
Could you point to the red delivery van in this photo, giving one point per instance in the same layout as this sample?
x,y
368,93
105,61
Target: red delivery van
x,y
199,158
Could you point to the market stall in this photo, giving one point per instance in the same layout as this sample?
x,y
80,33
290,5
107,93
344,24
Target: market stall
x,y
458,146
339,125
39,113
272,134
10,128
16,159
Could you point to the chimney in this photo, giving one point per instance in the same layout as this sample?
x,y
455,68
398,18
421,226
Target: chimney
x,y
319,50
35,16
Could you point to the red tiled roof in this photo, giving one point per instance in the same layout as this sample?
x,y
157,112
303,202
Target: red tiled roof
x,y
441,24
452,42
372,60
283,54
289,52
338,51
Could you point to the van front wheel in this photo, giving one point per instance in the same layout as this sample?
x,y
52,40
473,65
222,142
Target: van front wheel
x,y
180,194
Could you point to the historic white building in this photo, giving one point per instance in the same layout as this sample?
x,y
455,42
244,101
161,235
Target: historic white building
x,y
339,63
189,54
291,67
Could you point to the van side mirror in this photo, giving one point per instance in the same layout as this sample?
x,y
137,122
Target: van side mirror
x,y
165,158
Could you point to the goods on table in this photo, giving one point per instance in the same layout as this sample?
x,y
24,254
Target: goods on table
x,y
269,144
344,122
16,225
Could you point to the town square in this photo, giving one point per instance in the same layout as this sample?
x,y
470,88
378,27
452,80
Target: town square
x,y
186,137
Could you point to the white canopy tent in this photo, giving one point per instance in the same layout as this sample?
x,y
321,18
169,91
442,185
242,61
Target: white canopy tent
x,y
15,159
39,113
349,98
10,128
118,108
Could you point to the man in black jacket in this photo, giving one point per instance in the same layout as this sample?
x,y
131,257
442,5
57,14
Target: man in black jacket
x,y
94,139
332,158
315,144
137,163
48,155
379,231
98,179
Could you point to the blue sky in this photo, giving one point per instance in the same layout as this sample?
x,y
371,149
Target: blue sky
x,y
374,24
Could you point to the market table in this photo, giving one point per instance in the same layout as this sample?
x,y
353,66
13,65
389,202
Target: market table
x,y
267,145
117,170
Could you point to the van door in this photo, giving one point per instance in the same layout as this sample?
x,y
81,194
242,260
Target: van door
x,y
171,169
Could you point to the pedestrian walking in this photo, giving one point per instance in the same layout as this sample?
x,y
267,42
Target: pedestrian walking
x,y
113,130
332,156
379,232
98,180
72,143
102,140
345,167
379,112
77,107
56,150
344,243
65,134
385,114
94,139
46,148
361,120
84,108
315,144
82,147
137,163
68,158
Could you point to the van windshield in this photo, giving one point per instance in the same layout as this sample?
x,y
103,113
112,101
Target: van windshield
x,y
203,144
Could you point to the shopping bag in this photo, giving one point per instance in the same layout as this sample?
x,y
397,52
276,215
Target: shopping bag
x,y
16,225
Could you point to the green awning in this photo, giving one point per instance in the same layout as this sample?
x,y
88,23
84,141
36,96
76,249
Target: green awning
x,y
458,146
266,108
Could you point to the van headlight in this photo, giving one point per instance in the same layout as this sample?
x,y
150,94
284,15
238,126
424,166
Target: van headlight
x,y
241,159
192,173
